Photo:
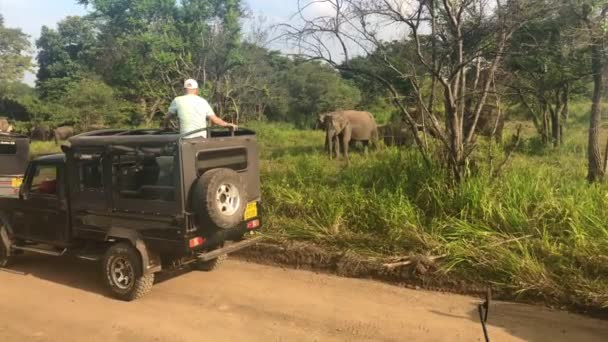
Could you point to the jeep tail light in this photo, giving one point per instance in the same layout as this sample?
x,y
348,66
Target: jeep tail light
x,y
253,224
197,241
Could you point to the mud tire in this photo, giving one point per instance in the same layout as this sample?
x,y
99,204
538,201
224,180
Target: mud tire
x,y
211,265
122,258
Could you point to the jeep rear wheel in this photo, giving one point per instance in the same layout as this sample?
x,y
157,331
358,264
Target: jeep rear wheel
x,y
210,265
122,271
219,198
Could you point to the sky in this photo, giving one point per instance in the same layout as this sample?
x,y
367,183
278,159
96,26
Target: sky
x,y
31,15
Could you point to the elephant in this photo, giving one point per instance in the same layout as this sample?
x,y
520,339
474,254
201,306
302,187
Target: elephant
x,y
40,132
5,126
63,133
363,126
339,133
490,123
396,134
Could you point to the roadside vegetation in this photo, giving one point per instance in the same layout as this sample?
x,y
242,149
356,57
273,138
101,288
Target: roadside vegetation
x,y
539,231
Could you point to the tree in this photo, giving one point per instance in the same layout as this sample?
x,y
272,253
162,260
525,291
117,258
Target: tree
x,y
314,88
594,18
14,99
148,48
14,46
546,67
91,102
464,35
64,56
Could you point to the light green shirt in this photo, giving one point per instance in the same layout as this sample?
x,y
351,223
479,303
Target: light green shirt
x,y
192,111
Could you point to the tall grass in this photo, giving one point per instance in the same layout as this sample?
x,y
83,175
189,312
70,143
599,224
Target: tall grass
x,y
538,231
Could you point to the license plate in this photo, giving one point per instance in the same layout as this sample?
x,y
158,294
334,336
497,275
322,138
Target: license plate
x,y
16,182
251,211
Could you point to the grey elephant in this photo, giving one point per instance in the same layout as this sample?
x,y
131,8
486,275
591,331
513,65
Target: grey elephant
x,y
338,133
63,133
363,126
396,134
40,132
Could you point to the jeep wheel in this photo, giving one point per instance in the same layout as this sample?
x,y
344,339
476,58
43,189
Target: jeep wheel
x,y
122,271
5,259
210,265
219,198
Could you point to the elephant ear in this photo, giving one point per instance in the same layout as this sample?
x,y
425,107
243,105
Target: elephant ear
x,y
339,122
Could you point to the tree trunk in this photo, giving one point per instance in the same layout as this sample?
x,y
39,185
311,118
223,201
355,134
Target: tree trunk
x,y
596,170
556,120
565,112
545,127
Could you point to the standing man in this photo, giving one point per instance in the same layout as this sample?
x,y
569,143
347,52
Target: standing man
x,y
193,111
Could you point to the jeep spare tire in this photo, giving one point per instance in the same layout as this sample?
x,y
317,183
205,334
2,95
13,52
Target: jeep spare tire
x,y
219,198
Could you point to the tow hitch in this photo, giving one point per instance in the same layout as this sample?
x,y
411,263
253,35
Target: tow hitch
x,y
229,248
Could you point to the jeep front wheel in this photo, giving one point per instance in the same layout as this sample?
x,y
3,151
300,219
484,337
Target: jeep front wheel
x,y
122,271
5,259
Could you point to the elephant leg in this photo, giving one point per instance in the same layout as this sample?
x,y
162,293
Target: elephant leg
x,y
337,146
346,139
365,146
330,141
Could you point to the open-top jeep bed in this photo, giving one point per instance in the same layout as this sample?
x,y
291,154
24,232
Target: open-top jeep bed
x,y
138,200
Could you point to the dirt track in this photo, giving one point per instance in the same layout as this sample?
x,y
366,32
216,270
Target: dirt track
x,y
60,300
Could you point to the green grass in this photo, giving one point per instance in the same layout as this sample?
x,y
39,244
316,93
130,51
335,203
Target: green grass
x,y
44,147
539,231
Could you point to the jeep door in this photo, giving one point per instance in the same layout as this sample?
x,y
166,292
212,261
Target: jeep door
x,y
44,208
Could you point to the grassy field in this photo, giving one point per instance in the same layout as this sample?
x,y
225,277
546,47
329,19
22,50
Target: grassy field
x,y
538,232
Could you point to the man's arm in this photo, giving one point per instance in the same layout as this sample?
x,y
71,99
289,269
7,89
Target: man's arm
x,y
216,120
170,114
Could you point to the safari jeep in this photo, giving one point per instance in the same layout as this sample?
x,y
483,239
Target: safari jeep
x,y
138,201
14,154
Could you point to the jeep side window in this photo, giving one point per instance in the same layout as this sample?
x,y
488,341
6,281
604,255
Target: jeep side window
x,y
145,178
91,174
44,181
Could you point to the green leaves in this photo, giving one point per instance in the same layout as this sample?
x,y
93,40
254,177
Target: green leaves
x,y
14,46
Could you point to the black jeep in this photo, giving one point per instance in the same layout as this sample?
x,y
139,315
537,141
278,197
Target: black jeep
x,y
138,200
14,154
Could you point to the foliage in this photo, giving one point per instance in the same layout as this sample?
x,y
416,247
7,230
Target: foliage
x,y
546,68
313,89
14,46
64,56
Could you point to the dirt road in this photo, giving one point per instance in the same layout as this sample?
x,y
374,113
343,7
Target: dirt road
x,y
60,300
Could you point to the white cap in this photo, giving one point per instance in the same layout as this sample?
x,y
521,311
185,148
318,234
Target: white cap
x,y
191,84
